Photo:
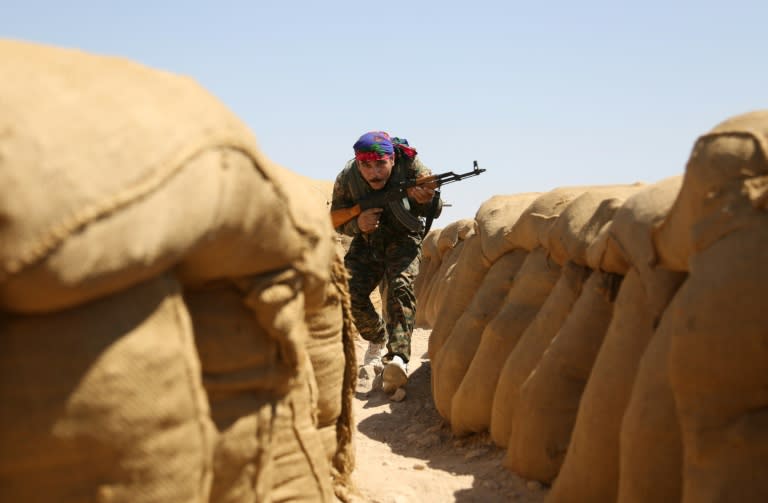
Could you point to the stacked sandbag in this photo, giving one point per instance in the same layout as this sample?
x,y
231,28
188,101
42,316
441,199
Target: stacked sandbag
x,y
150,226
103,401
650,445
578,226
331,335
528,326
264,409
496,218
430,264
548,399
590,471
451,361
718,228
550,396
532,228
481,284
538,325
532,282
331,350
450,245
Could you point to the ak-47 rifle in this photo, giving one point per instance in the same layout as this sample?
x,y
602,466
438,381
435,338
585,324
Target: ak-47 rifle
x,y
379,199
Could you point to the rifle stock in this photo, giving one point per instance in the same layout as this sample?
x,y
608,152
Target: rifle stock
x,y
344,215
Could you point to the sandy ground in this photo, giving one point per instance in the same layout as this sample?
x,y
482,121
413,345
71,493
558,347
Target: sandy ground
x,y
406,453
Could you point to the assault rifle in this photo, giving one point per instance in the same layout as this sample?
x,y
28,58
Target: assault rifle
x,y
380,199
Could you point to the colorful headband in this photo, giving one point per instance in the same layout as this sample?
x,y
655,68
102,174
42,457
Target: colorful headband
x,y
374,146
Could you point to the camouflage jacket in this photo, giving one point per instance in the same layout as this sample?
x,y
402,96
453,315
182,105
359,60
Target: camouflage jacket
x,y
350,186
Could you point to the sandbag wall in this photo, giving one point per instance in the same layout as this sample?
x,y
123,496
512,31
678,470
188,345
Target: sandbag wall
x,y
626,361
174,321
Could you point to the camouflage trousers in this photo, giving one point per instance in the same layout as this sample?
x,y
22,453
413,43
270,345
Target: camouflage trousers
x,y
395,262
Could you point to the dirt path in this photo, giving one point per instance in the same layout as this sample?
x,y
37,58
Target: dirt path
x,y
405,452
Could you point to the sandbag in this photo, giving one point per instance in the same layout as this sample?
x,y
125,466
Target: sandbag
x,y
450,243
495,219
532,227
535,339
626,241
331,351
719,349
633,224
453,358
439,285
472,401
454,233
696,220
104,401
430,262
580,222
470,269
185,183
650,444
549,398
252,338
601,256
590,471
156,175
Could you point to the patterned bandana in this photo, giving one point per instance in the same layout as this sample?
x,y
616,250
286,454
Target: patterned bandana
x,y
374,146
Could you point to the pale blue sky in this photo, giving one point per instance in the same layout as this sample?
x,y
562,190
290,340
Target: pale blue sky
x,y
541,94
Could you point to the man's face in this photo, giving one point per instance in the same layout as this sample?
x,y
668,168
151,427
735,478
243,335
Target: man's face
x,y
376,173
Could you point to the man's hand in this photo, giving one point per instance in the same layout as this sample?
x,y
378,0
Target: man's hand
x,y
420,193
368,220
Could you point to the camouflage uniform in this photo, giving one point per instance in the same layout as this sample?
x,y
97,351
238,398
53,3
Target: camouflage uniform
x,y
391,253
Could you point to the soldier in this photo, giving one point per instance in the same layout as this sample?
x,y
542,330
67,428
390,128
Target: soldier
x,y
386,246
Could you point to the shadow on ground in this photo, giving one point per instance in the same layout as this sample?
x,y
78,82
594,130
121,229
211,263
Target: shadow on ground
x,y
414,428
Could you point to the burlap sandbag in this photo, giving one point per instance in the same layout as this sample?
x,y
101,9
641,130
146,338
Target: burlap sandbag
x,y
153,171
528,232
429,266
454,233
522,359
626,241
470,269
104,402
631,233
439,285
451,361
532,227
698,215
601,256
549,398
331,350
326,346
252,339
472,402
493,223
495,219
650,445
450,243
430,262
590,471
154,174
719,351
580,222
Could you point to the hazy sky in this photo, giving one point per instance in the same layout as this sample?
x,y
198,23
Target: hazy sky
x,y
541,94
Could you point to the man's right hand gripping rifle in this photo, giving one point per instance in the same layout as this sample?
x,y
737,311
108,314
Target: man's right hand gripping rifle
x,y
422,190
